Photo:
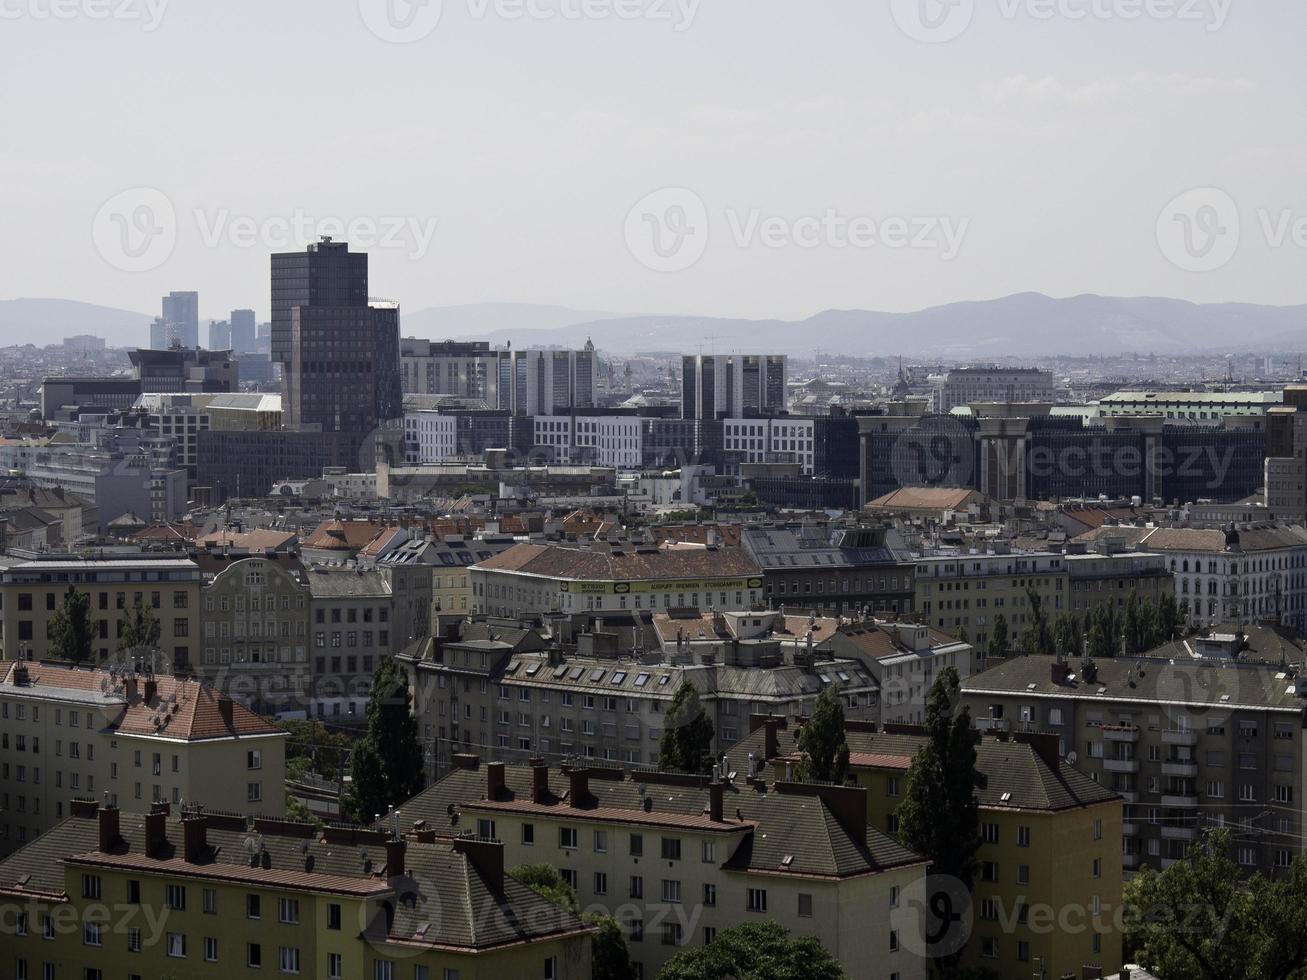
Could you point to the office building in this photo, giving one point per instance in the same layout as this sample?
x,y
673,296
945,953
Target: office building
x,y
339,355
547,382
129,736
219,335
183,370
963,387
243,332
181,320
733,386
450,367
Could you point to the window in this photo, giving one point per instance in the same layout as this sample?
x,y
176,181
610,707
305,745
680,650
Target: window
x,y
91,886
210,949
288,911
709,852
528,834
756,900
1023,836
567,837
177,945
637,845
600,883
383,970
805,905
335,966
671,849
175,897
990,833
601,841
709,895
252,907
289,957
253,955
551,968
91,934
673,934
210,901
671,890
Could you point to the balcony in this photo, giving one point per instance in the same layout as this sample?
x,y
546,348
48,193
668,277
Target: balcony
x,y
1121,765
1180,767
1120,733
1179,736
1175,800
1130,829
1130,796
1131,859
1179,833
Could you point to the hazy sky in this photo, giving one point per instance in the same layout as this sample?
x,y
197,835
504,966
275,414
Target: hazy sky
x,y
820,156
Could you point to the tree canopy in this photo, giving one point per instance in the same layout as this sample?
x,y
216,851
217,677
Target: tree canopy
x,y
386,766
1203,919
823,743
70,628
686,744
141,628
755,951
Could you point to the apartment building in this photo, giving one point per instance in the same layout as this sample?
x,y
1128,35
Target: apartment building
x,y
256,628
676,859
962,387
970,591
1248,572
358,617
537,578
232,897
515,695
32,587
903,658
1049,834
1098,580
135,737
1190,737
831,569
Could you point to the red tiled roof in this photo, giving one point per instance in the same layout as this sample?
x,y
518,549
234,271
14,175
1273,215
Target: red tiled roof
x,y
186,709
337,535
601,564
257,539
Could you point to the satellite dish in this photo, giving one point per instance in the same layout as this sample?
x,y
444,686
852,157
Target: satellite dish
x,y
1071,758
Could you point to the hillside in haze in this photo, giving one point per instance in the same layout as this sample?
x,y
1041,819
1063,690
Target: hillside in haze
x,y
1013,326
1028,323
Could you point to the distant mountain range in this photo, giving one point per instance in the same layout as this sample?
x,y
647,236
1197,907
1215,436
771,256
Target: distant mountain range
x,y
1024,324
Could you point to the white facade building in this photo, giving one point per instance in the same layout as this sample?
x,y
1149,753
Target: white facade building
x,y
783,440
430,437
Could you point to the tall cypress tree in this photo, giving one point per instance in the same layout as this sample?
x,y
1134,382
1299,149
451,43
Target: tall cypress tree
x,y
688,732
70,628
386,766
823,743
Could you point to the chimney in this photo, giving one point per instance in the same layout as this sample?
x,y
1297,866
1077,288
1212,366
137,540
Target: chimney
x,y
195,838
847,804
716,798
130,685
395,851
1045,745
151,689
771,740
494,780
21,676
466,760
579,780
226,709
109,837
1061,671
156,832
486,856
539,781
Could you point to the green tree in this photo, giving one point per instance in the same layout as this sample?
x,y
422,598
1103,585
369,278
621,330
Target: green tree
x,y
686,744
610,957
823,743
998,640
141,628
314,748
961,635
70,628
1169,619
1131,626
939,816
755,951
1037,637
1100,639
1066,635
545,881
1202,919
386,766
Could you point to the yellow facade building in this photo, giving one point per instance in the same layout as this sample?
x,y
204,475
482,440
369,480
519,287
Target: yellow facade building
x,y
107,894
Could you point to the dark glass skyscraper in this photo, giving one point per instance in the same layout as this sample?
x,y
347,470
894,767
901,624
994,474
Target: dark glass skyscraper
x,y
339,355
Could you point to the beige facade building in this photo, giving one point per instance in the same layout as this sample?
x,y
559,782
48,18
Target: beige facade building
x,y
33,586
676,859
132,737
